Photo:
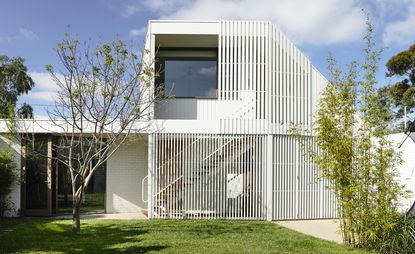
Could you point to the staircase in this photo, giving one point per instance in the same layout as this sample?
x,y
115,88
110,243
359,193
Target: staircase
x,y
168,199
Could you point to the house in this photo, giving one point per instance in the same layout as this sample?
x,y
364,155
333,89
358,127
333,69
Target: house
x,y
223,149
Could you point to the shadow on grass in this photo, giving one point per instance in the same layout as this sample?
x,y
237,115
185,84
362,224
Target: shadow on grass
x,y
178,236
206,227
45,235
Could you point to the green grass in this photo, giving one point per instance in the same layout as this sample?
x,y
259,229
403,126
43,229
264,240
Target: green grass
x,y
169,236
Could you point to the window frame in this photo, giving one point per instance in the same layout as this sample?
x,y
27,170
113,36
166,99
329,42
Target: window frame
x,y
160,62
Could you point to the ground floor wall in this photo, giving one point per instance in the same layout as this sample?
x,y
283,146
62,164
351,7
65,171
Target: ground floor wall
x,y
213,176
125,171
123,188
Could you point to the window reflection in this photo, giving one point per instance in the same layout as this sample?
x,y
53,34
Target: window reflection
x,y
36,175
187,74
190,78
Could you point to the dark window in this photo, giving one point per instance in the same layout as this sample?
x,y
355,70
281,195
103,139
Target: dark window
x,y
37,174
187,73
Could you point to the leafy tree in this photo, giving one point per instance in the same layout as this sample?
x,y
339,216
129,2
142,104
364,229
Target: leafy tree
x,y
25,111
14,81
104,96
402,93
377,186
354,153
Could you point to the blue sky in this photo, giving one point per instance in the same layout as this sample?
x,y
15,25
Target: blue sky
x,y
32,29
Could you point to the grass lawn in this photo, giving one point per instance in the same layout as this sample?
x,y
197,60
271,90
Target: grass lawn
x,y
169,236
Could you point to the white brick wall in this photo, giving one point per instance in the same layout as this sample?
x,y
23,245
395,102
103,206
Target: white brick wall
x,y
15,193
125,171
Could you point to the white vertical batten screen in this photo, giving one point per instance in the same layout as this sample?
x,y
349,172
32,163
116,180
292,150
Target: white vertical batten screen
x,y
299,191
224,177
265,84
208,176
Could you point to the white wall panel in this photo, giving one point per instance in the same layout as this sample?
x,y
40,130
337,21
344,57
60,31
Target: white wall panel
x,y
184,27
125,172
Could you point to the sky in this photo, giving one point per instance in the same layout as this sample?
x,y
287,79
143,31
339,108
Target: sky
x,y
32,29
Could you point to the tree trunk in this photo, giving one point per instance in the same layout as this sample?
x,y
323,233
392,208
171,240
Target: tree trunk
x,y
76,220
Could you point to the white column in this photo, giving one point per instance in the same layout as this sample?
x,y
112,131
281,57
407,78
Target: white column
x,y
269,176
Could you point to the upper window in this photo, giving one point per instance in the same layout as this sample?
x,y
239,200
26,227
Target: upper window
x,y
187,73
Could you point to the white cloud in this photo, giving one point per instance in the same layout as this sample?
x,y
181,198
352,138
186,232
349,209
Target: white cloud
x,y
130,9
401,32
212,92
315,22
385,9
44,97
22,34
43,81
27,34
209,72
45,89
304,21
168,6
138,32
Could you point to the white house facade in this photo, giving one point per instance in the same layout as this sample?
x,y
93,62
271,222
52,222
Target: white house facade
x,y
220,145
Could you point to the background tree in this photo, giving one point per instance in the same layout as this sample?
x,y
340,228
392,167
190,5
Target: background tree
x,y
402,93
25,111
14,81
104,96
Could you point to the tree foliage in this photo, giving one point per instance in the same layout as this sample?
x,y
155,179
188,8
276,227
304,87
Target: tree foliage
x,y
402,93
7,179
25,111
354,153
14,81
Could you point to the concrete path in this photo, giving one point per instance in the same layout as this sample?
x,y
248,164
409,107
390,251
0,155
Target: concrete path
x,y
325,229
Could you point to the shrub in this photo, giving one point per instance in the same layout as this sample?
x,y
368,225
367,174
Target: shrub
x,y
7,178
400,238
